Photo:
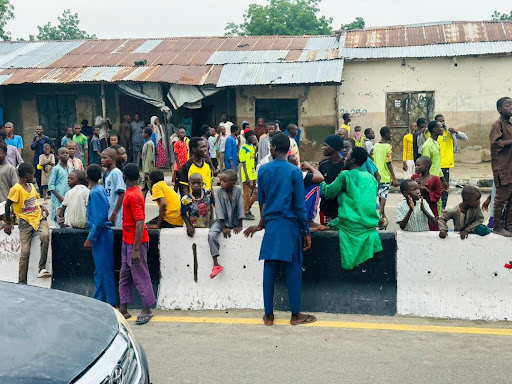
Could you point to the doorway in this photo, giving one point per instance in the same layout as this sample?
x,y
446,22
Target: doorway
x,y
129,106
403,109
56,113
284,110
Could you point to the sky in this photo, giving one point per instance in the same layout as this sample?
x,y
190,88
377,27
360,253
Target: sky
x,y
167,18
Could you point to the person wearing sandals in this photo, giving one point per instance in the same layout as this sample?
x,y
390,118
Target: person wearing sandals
x,y
134,267
284,217
229,211
100,239
32,218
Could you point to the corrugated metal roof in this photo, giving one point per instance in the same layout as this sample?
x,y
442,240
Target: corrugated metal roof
x,y
247,59
438,50
147,46
281,73
230,57
430,34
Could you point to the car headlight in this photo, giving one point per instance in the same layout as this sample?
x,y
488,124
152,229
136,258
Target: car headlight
x,y
120,363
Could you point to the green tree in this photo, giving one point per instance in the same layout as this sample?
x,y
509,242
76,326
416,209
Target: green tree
x,y
497,16
282,17
68,29
6,14
358,23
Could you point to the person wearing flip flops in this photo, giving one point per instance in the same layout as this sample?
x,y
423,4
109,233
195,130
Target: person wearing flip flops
x,y
23,198
229,212
134,252
101,238
284,217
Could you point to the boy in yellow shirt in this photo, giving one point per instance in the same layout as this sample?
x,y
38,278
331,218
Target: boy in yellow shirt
x,y
169,203
408,155
32,218
247,157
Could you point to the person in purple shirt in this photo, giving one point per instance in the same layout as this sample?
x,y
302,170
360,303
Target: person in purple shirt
x,y
231,149
39,140
13,156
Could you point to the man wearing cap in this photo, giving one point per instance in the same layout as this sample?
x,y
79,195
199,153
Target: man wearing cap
x,y
330,169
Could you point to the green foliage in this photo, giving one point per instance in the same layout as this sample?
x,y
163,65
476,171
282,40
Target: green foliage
x,y
6,14
282,17
67,29
497,16
358,23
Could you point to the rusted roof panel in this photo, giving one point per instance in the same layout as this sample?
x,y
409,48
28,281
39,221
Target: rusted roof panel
x,y
293,55
430,34
213,75
200,58
226,57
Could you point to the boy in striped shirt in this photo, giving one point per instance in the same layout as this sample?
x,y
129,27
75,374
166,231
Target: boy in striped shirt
x,y
413,214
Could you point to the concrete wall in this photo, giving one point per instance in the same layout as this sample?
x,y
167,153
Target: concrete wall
x,y
466,95
185,279
10,248
451,278
317,111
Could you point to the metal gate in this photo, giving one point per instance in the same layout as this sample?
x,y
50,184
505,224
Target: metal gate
x,y
403,109
56,113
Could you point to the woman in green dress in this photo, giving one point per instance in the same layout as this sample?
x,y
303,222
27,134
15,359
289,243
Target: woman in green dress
x,y
356,191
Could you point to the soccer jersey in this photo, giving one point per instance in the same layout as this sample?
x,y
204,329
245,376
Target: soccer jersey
x,y
114,185
247,155
381,158
189,168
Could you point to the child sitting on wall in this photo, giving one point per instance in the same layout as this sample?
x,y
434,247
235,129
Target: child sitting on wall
x,y
411,215
197,206
467,216
230,213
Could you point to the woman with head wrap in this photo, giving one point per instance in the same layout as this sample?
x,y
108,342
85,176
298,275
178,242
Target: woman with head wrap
x,y
161,143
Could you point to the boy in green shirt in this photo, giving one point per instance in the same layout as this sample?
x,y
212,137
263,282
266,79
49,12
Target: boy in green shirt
x,y
382,156
247,157
82,145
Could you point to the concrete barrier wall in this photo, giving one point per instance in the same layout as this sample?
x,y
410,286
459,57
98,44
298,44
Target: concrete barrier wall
x,y
10,248
369,288
451,278
446,278
186,283
74,267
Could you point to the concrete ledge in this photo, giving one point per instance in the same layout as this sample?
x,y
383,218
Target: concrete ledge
x,y
454,278
186,283
10,249
74,267
369,288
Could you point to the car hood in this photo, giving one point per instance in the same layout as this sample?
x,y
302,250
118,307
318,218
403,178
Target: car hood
x,y
50,336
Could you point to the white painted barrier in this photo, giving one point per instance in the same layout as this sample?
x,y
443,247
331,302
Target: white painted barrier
x,y
239,285
454,278
10,249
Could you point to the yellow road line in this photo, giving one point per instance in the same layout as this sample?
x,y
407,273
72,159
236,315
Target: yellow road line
x,y
340,324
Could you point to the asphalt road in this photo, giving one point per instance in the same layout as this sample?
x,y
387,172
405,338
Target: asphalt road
x,y
338,349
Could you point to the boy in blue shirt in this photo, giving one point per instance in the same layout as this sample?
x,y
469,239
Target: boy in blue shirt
x,y
114,185
231,149
284,217
100,239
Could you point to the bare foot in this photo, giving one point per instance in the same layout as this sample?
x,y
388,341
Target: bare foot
x,y
502,232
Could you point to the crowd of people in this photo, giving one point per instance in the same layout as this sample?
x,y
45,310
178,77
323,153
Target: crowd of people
x,y
101,182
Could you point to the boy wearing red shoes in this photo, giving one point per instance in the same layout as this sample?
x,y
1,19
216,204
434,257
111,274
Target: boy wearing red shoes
x,y
229,210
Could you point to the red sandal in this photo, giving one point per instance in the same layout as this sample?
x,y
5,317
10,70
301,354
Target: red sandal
x,y
216,270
